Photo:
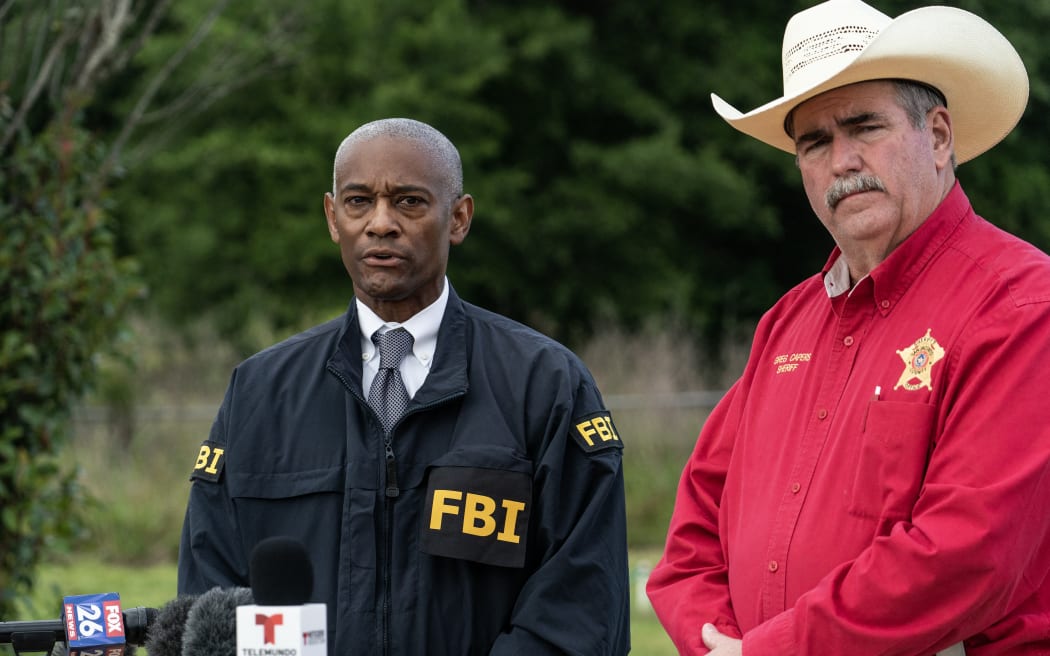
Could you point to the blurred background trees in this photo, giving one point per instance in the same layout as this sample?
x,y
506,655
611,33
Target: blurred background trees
x,y
76,85
608,191
174,168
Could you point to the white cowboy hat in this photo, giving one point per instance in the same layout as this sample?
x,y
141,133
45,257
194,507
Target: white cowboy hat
x,y
841,42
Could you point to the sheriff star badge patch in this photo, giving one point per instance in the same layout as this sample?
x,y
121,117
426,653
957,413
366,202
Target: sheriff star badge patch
x,y
919,359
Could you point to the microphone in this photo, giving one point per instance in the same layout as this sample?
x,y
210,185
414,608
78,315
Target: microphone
x,y
280,572
165,635
210,623
280,621
88,621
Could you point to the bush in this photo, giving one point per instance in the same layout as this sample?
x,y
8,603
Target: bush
x,y
62,294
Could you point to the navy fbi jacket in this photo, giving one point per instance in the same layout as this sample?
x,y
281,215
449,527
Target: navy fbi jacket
x,y
495,526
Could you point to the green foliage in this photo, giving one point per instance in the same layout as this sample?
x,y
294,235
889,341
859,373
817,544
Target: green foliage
x,y
601,196
61,296
124,530
72,93
607,190
138,585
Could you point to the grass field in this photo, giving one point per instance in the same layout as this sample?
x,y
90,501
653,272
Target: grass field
x,y
154,586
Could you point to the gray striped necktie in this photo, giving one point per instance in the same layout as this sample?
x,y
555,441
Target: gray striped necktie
x,y
388,396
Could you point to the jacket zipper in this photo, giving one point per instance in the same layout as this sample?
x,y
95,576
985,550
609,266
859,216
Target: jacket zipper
x,y
392,491
388,520
391,495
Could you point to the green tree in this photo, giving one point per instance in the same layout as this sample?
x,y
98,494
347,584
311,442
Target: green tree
x,y
235,206
63,288
62,294
608,190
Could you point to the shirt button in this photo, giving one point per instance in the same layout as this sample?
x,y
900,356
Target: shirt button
x,y
848,341
885,305
795,487
822,414
773,566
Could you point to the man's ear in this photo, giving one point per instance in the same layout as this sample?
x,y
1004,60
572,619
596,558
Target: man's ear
x,y
329,213
459,223
940,124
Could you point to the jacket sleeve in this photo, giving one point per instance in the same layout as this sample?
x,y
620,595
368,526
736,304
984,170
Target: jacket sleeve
x,y
977,546
689,586
210,552
576,599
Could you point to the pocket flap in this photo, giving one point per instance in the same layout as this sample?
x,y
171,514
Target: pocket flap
x,y
282,485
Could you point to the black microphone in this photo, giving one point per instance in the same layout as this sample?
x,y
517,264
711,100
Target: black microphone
x,y
211,624
41,635
164,637
280,572
281,620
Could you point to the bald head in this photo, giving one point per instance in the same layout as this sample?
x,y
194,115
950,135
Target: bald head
x,y
426,138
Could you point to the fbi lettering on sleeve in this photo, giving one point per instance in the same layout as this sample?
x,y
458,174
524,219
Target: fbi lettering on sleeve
x,y
477,514
596,432
210,461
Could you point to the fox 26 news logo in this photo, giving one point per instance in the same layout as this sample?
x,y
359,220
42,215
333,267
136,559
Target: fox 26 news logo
x,y
94,621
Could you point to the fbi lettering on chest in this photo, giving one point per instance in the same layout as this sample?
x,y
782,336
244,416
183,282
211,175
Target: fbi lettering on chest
x,y
477,514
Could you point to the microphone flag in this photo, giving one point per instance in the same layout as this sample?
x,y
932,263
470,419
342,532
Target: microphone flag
x,y
282,630
93,621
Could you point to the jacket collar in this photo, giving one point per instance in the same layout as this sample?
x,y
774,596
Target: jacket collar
x,y
448,373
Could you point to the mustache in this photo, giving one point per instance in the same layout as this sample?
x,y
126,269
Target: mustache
x,y
854,184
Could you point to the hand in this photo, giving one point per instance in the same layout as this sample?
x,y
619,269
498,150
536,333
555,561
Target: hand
x,y
720,644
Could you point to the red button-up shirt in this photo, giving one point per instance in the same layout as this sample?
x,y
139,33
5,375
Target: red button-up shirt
x,y
877,481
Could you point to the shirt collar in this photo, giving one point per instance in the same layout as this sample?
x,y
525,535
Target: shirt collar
x,y
836,278
423,326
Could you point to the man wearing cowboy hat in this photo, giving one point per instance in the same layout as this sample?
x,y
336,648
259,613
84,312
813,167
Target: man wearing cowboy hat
x,y
876,481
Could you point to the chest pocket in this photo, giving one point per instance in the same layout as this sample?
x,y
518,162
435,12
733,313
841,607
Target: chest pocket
x,y
285,485
477,507
285,503
895,446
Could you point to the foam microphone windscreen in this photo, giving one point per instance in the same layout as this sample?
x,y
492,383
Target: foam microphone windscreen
x,y
280,572
211,625
164,637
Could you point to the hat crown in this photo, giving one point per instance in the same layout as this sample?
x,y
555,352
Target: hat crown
x,y
825,39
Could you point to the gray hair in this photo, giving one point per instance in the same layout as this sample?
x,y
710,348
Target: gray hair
x,y
917,99
426,137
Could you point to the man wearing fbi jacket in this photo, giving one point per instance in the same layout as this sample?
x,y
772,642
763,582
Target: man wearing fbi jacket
x,y
490,517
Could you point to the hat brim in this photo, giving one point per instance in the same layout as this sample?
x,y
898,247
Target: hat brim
x,y
960,54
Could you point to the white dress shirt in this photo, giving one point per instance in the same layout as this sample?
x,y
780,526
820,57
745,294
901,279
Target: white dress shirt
x,y
424,329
